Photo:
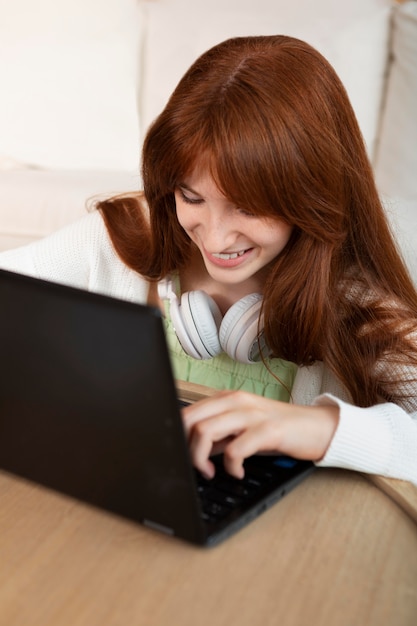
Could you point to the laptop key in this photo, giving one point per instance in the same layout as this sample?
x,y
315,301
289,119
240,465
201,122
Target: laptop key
x,y
213,511
259,474
221,497
240,489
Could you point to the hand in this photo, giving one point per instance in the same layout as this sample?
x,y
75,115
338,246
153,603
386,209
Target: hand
x,y
240,424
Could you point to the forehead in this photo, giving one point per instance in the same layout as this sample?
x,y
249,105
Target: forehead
x,y
228,179
201,182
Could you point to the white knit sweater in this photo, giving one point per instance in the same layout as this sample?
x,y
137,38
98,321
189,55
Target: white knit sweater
x,y
381,439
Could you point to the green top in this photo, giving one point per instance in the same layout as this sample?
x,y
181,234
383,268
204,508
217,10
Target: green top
x,y
222,372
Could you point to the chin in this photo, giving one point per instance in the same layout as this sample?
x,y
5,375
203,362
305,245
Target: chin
x,y
230,278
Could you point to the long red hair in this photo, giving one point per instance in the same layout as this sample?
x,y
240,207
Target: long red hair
x,y
270,119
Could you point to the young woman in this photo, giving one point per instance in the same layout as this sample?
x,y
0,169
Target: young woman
x,y
264,230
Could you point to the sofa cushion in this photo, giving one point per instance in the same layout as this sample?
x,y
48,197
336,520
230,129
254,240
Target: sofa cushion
x,y
396,162
68,83
403,218
36,202
352,35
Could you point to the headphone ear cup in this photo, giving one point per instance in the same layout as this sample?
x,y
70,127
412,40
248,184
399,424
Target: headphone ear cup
x,y
203,334
180,328
239,329
202,319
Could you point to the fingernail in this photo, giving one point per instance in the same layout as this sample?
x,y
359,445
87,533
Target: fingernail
x,y
208,475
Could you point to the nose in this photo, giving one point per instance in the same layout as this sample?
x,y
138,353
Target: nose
x,y
218,231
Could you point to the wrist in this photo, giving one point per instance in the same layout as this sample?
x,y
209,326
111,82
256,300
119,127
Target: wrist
x,y
328,417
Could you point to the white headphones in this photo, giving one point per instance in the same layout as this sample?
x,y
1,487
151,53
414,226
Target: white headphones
x,y
204,333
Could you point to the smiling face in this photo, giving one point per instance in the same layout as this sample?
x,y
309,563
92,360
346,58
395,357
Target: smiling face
x,y
235,245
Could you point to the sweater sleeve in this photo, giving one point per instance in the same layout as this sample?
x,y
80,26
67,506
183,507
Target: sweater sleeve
x,y
80,255
380,439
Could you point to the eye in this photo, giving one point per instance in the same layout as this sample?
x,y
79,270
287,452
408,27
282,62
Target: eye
x,y
187,199
245,212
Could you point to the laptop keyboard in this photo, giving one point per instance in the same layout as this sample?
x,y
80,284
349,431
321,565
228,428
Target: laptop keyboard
x,y
223,494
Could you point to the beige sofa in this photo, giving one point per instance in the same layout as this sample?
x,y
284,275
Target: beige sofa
x,y
81,82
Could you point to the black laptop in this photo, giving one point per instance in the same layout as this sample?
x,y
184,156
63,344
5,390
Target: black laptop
x,y
89,407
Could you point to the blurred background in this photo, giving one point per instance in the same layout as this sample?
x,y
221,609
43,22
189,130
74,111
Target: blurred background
x,y
81,82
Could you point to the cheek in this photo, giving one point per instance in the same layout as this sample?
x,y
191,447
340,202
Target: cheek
x,y
286,233
183,218
280,237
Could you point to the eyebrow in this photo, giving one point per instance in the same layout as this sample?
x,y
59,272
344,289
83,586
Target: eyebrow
x,y
188,188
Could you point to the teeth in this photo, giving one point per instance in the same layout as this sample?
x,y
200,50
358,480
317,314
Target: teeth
x,y
226,257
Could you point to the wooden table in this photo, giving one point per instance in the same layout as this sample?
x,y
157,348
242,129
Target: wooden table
x,y
337,551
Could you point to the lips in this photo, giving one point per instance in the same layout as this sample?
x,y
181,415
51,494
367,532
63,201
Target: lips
x,y
228,259
227,256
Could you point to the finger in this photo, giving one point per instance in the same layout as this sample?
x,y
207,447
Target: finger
x,y
259,438
203,409
200,450
207,435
